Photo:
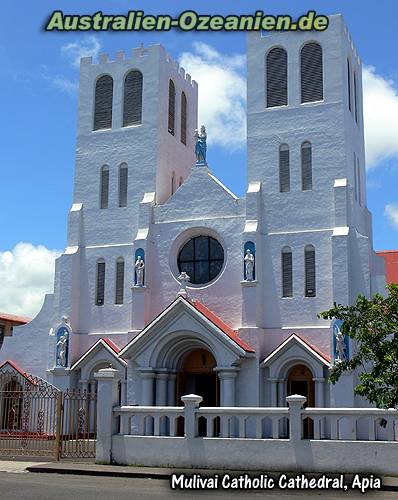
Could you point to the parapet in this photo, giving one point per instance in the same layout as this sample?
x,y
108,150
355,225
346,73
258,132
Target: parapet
x,y
151,51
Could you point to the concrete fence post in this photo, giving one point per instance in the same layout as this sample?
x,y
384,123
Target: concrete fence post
x,y
295,403
191,403
107,399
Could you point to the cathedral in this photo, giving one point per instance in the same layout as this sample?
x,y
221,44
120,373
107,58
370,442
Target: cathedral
x,y
179,284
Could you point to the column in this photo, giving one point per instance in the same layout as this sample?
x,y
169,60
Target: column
x,y
171,390
161,399
147,386
161,388
84,385
227,378
147,381
320,401
282,390
274,391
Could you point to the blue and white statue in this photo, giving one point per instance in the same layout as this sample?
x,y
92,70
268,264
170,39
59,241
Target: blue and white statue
x,y
62,347
340,342
200,146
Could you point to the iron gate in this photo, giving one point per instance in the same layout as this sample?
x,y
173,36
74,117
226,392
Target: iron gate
x,y
37,419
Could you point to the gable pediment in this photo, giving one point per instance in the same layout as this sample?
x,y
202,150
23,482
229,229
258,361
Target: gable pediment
x,y
182,323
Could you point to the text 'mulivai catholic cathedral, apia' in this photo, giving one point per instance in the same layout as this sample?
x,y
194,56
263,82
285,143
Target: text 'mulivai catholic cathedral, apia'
x,y
148,213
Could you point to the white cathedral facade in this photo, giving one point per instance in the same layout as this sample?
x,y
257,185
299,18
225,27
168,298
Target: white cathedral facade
x,y
145,211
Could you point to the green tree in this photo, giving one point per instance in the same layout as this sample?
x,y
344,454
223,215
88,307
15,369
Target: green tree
x,y
373,325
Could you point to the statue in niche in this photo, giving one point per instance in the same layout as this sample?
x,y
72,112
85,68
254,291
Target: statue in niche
x,y
200,145
340,346
139,271
249,265
62,349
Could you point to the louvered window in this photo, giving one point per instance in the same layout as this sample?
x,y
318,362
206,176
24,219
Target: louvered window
x,y
123,183
119,281
172,105
183,118
355,98
349,83
276,67
173,183
287,272
284,169
355,178
311,73
100,284
132,102
103,103
310,285
104,187
306,166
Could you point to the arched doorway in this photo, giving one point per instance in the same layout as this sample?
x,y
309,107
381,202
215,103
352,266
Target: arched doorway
x,y
197,376
11,403
300,381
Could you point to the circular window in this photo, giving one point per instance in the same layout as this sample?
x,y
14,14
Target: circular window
x,y
202,259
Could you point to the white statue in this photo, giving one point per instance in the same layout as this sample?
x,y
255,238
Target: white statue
x,y
139,271
249,265
340,346
183,278
62,346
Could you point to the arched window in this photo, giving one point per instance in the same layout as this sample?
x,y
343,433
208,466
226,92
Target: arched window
x,y
132,100
355,178
104,187
349,83
103,103
183,118
306,166
287,272
100,283
355,98
119,290
123,183
172,106
173,183
311,73
284,169
276,67
180,182
309,266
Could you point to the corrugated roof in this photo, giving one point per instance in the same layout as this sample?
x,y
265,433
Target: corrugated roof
x,y
14,319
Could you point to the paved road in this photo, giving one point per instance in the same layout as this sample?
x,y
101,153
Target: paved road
x,y
33,486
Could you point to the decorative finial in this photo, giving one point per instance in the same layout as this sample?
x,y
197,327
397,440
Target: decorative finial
x,y
200,145
65,319
184,279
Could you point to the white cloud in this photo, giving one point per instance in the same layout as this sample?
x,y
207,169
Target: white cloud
x,y
26,274
59,82
391,212
222,93
87,46
381,117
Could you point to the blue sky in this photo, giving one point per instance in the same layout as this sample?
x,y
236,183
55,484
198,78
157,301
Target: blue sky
x,y
39,101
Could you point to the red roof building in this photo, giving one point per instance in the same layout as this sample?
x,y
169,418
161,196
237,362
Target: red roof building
x,y
7,322
391,258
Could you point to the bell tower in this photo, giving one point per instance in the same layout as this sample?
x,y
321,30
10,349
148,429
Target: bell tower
x,y
306,147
